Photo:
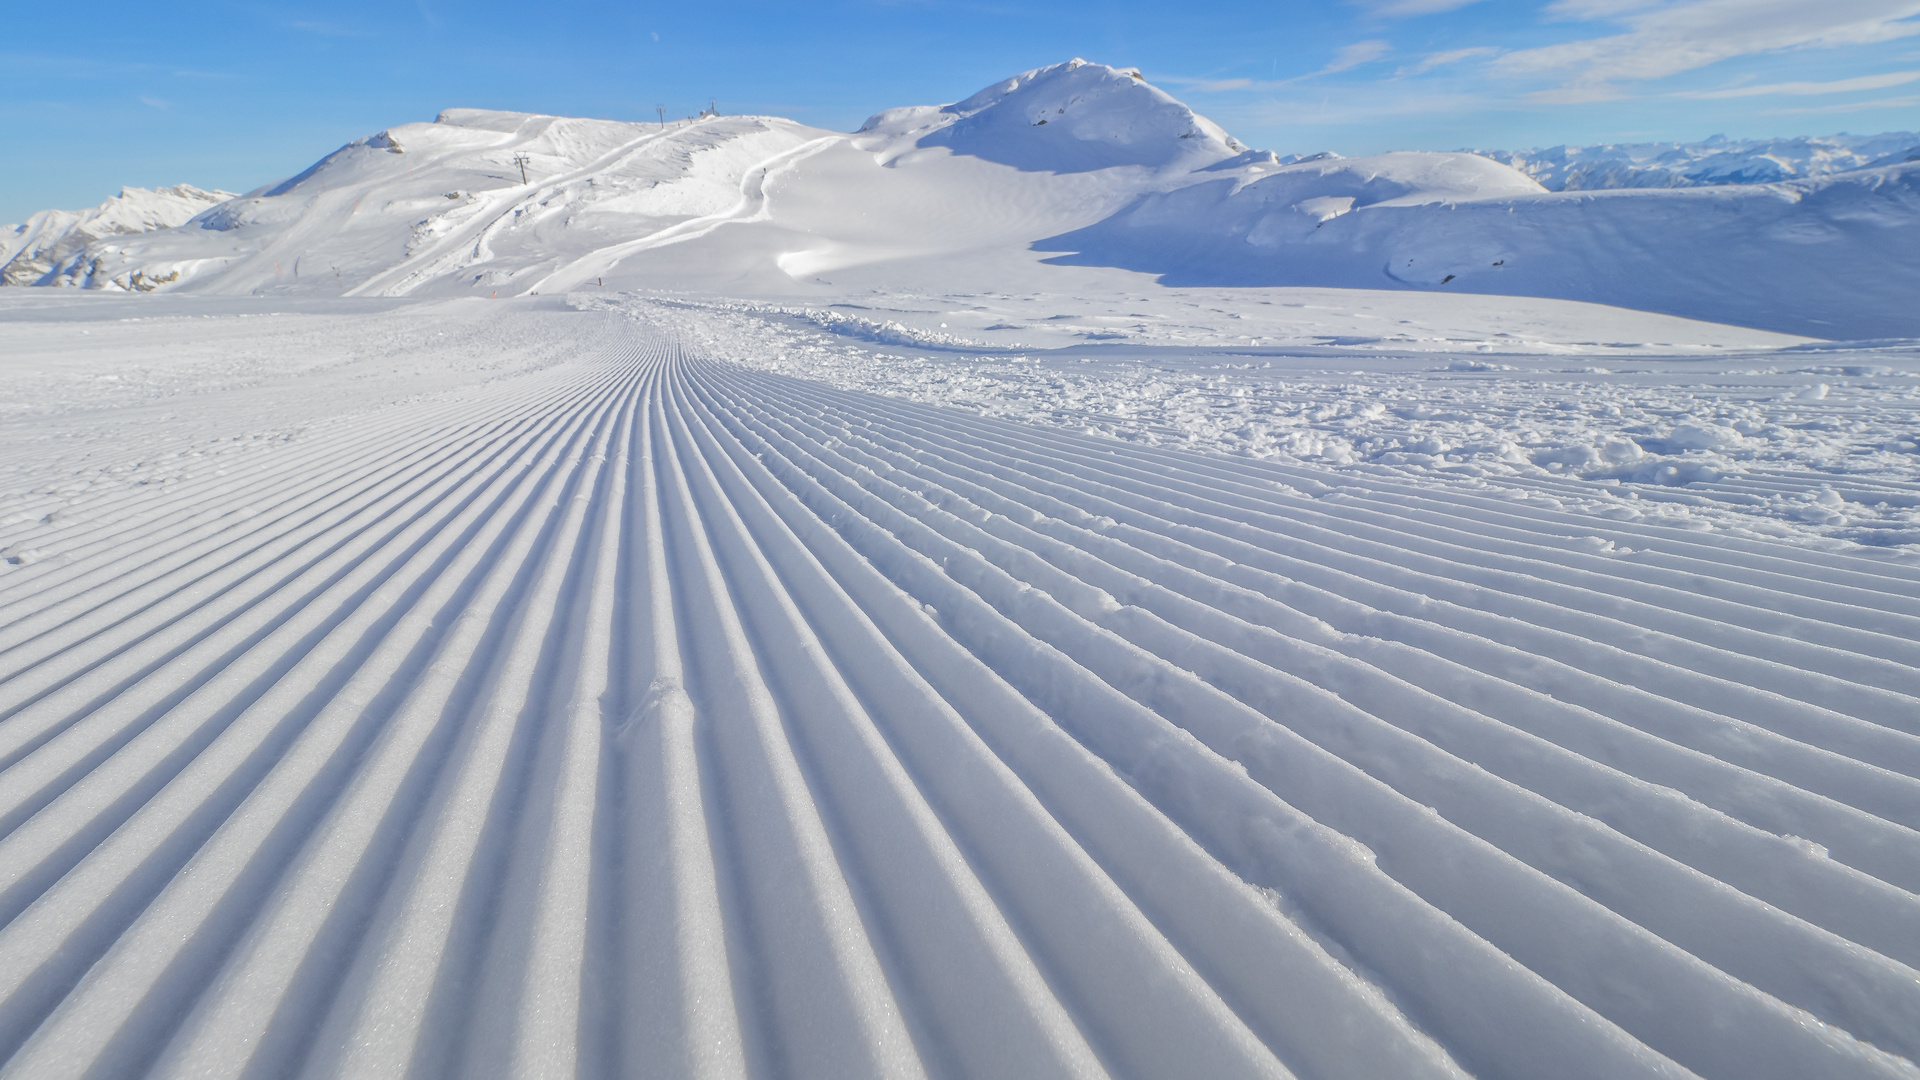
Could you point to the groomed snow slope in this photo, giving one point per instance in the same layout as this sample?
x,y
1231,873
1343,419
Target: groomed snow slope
x,y
646,714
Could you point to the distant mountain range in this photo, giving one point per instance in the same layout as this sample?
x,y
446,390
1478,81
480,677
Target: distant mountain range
x,y
1714,161
47,247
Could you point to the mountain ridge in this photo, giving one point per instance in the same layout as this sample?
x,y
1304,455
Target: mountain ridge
x,y
46,248
1070,164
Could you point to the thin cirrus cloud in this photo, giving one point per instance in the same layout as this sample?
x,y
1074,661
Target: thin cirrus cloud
x,y
1352,56
1358,109
1211,86
1346,59
1406,8
1451,56
1663,39
1846,107
1810,89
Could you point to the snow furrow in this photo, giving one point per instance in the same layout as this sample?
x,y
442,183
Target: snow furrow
x,y
650,715
1237,619
1380,824
140,855
1704,777
194,509
1340,543
1617,675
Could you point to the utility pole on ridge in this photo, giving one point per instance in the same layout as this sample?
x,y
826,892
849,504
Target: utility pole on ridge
x,y
521,160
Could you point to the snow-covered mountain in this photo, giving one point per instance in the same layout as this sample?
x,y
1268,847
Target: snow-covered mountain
x,y
1718,160
1833,257
1100,117
1076,163
48,248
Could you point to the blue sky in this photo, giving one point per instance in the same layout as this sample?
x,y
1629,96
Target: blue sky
x,y
235,94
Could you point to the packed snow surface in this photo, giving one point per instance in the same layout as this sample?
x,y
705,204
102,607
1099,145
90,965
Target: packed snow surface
x,y
474,688
729,607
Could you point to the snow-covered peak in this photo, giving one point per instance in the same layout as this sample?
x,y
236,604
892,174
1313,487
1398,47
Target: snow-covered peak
x,y
35,250
1071,117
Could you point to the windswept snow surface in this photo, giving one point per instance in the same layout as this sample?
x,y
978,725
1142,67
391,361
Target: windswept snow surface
x,y
460,688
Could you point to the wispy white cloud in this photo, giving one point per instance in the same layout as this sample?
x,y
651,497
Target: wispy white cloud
x,y
1352,56
1577,94
154,102
1442,59
1810,89
1667,37
1584,10
1347,110
1348,58
1201,84
1621,49
1847,107
1403,8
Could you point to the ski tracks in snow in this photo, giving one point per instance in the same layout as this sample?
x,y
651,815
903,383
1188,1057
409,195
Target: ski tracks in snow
x,y
676,719
752,207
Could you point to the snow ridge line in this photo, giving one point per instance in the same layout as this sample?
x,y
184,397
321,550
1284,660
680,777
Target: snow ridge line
x,y
656,715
